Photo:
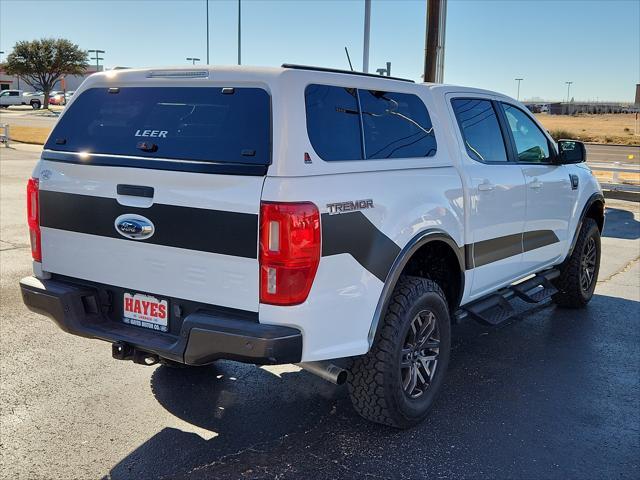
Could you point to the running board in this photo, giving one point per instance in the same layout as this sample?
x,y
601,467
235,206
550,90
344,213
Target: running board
x,y
495,308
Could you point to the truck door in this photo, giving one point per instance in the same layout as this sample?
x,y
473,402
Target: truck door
x,y
550,197
495,195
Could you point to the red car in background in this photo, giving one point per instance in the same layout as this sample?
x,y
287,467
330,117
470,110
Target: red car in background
x,y
56,98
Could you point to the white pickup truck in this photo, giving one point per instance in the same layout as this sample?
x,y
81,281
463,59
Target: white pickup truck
x,y
336,220
9,98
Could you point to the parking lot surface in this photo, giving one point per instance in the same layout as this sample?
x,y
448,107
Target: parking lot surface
x,y
552,394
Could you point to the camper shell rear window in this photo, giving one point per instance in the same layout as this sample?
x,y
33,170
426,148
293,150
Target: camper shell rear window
x,y
226,125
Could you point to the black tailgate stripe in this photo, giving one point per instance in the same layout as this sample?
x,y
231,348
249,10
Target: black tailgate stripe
x,y
214,231
354,234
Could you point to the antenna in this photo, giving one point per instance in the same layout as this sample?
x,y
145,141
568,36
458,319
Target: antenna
x,y
348,58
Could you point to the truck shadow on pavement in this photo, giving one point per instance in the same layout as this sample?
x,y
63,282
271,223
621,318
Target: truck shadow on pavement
x,y
533,396
621,223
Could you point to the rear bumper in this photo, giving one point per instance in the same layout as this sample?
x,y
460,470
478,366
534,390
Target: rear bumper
x,y
204,336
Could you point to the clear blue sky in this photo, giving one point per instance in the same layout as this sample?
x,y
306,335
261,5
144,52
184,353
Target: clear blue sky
x,y
595,44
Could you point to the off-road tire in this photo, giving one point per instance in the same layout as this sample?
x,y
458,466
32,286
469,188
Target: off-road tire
x,y
374,381
165,362
571,294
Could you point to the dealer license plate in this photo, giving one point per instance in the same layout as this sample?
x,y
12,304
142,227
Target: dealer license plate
x,y
146,311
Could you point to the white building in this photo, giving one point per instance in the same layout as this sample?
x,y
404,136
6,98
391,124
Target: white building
x,y
72,82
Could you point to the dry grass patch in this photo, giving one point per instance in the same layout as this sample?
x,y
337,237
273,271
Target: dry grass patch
x,y
608,128
623,177
35,135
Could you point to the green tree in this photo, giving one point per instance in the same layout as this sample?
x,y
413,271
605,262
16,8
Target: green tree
x,y
41,63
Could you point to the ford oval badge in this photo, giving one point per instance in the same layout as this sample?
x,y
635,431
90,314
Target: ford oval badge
x,y
135,227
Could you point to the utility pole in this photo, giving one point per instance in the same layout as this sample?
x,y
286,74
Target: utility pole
x,y
568,89
434,41
519,80
97,57
207,1
193,59
239,33
367,34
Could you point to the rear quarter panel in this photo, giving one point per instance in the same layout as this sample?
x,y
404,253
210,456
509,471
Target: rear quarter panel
x,y
336,317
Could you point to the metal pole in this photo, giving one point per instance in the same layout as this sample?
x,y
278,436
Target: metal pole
x,y
239,33
367,33
431,40
207,32
568,89
97,57
442,27
519,80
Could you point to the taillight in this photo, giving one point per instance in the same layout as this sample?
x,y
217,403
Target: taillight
x,y
33,218
289,251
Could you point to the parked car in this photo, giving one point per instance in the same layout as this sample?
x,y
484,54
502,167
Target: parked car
x,y
10,98
336,220
56,98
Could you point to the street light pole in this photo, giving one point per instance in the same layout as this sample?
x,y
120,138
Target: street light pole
x,y
568,89
519,80
193,59
207,31
239,33
367,34
97,58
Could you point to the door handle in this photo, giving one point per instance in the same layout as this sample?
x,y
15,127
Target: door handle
x,y
535,184
135,190
486,186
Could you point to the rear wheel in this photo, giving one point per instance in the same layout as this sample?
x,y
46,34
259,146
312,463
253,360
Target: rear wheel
x,y
171,364
35,105
579,274
397,381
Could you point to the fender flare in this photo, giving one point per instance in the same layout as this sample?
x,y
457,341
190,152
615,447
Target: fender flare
x,y
596,197
420,240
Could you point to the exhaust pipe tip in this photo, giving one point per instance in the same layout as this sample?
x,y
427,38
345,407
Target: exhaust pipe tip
x,y
341,378
326,370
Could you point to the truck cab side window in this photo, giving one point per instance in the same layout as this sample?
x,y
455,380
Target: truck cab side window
x,y
396,125
333,122
480,129
531,144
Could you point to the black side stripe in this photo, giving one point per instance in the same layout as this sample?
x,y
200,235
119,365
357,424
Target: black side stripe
x,y
214,231
538,238
496,249
354,234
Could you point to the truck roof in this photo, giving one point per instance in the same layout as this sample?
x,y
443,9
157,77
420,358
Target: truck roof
x,y
234,73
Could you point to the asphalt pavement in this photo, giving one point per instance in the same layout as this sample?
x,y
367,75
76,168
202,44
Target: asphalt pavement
x,y
552,394
627,155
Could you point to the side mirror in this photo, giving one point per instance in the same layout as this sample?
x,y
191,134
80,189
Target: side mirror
x,y
571,151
